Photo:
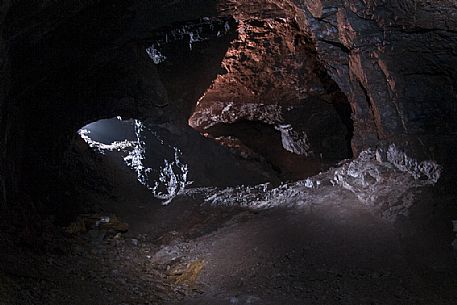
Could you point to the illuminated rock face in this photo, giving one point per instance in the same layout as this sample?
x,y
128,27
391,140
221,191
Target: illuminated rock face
x,y
394,62
271,74
386,181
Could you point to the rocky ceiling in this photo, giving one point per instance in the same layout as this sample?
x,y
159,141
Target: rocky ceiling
x,y
366,72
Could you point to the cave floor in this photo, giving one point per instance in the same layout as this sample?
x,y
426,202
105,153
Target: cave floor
x,y
336,252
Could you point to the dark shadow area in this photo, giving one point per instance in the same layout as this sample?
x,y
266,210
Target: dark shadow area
x,y
70,63
193,52
262,143
343,108
327,128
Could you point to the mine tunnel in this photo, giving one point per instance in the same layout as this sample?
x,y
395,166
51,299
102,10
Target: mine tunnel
x,y
228,152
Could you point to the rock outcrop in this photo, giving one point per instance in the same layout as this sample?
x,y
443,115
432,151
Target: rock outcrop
x,y
272,75
395,61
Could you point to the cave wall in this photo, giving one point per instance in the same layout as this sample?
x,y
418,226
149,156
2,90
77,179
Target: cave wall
x,y
67,63
272,75
396,62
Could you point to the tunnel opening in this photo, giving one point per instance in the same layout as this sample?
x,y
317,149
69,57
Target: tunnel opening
x,y
157,165
168,160
271,108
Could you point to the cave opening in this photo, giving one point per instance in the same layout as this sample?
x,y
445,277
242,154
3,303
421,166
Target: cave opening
x,y
108,131
248,151
130,145
266,113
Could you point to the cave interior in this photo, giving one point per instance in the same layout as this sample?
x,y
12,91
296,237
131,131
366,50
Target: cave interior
x,y
228,152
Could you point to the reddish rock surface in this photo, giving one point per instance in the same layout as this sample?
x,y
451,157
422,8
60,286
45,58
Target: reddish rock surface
x,y
395,61
272,73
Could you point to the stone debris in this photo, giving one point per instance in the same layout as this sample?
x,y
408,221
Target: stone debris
x,y
156,56
262,196
294,141
96,225
187,274
387,181
388,185
425,170
219,112
374,178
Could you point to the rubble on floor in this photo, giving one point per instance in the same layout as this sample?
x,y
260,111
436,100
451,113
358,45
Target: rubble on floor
x,y
97,227
386,182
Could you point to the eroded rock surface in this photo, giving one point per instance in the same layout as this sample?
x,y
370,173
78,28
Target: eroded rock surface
x,y
386,180
272,75
395,61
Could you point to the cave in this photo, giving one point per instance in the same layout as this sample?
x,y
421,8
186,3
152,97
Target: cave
x,y
228,152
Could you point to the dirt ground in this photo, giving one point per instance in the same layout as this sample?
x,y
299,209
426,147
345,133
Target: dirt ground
x,y
189,252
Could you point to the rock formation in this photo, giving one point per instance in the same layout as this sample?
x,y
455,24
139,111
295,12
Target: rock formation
x,y
381,72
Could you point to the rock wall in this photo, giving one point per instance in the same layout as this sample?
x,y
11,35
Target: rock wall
x,y
5,170
67,63
271,74
395,61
